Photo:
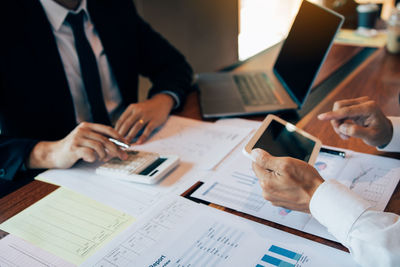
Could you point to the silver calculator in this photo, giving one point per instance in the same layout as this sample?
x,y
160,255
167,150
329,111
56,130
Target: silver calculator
x,y
141,166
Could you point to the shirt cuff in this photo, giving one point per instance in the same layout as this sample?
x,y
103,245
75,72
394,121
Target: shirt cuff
x,y
394,144
174,96
337,208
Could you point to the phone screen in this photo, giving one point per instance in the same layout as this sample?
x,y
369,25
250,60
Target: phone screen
x,y
282,141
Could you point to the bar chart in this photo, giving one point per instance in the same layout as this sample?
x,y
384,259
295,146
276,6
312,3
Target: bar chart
x,y
283,257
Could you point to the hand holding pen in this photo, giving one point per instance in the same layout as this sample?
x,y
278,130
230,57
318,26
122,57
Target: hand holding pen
x,y
88,142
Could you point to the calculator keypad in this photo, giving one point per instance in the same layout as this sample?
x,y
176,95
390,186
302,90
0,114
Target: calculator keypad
x,y
137,161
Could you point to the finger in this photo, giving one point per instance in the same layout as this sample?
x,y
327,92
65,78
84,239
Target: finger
x,y
122,119
264,159
349,102
128,124
134,130
86,154
344,137
112,150
146,133
354,130
95,145
345,103
336,124
346,112
262,174
105,130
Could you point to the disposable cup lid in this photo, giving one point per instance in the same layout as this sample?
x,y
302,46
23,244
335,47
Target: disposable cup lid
x,y
367,8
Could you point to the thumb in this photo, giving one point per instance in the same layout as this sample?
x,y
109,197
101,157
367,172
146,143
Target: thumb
x,y
263,159
354,130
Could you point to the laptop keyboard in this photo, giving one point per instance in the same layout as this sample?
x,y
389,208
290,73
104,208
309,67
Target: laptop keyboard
x,y
255,89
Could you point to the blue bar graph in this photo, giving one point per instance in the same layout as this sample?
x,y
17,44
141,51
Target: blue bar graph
x,y
281,257
276,262
284,252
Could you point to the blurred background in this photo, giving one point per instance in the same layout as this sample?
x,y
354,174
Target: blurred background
x,y
215,34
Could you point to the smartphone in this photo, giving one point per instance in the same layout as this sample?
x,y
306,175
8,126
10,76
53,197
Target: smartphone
x,y
283,139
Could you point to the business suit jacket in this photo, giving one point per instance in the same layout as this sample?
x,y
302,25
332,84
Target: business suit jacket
x,y
35,100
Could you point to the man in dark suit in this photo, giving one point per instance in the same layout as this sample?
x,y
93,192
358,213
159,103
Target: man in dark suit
x,y
69,79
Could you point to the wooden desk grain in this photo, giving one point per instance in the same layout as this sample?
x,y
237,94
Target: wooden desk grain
x,y
378,77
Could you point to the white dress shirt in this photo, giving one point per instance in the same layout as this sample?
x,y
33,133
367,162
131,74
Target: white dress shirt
x,y
56,15
394,145
372,237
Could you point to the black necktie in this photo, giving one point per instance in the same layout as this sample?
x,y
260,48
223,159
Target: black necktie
x,y
89,70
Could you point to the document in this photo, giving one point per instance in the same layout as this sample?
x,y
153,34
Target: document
x,y
16,252
203,144
132,198
372,177
183,233
68,225
200,146
237,122
235,186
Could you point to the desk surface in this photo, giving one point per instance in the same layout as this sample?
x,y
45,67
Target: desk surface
x,y
378,77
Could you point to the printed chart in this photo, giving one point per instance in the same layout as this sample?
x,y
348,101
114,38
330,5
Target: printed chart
x,y
282,257
181,233
215,245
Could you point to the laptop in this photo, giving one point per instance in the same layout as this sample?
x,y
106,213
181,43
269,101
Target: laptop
x,y
288,83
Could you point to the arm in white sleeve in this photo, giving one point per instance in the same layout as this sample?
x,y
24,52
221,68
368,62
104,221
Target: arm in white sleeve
x,y
372,237
394,145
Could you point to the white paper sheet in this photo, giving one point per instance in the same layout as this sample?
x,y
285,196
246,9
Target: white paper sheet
x,y
373,177
132,198
16,252
202,144
235,186
183,233
236,122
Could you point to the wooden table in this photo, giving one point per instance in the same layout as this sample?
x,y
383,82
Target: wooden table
x,y
378,77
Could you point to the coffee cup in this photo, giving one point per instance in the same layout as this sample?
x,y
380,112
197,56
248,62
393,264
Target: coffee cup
x,y
367,15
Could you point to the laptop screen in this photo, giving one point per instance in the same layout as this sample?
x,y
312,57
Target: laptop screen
x,y
305,49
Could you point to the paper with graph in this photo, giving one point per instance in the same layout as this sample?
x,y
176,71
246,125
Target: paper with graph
x,y
183,233
68,225
235,186
373,177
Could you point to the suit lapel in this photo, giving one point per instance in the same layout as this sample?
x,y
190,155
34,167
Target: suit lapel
x,y
45,50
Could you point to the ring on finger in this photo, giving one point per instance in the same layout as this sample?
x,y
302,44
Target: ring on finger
x,y
141,121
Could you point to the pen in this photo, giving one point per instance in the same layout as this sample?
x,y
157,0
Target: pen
x,y
333,152
119,143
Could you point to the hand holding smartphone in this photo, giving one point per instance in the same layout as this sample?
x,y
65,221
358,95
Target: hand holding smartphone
x,y
283,139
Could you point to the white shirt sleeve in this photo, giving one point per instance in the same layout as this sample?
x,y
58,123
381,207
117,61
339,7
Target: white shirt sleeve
x,y
394,145
372,237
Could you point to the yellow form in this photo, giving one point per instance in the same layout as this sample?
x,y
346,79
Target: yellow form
x,y
67,224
